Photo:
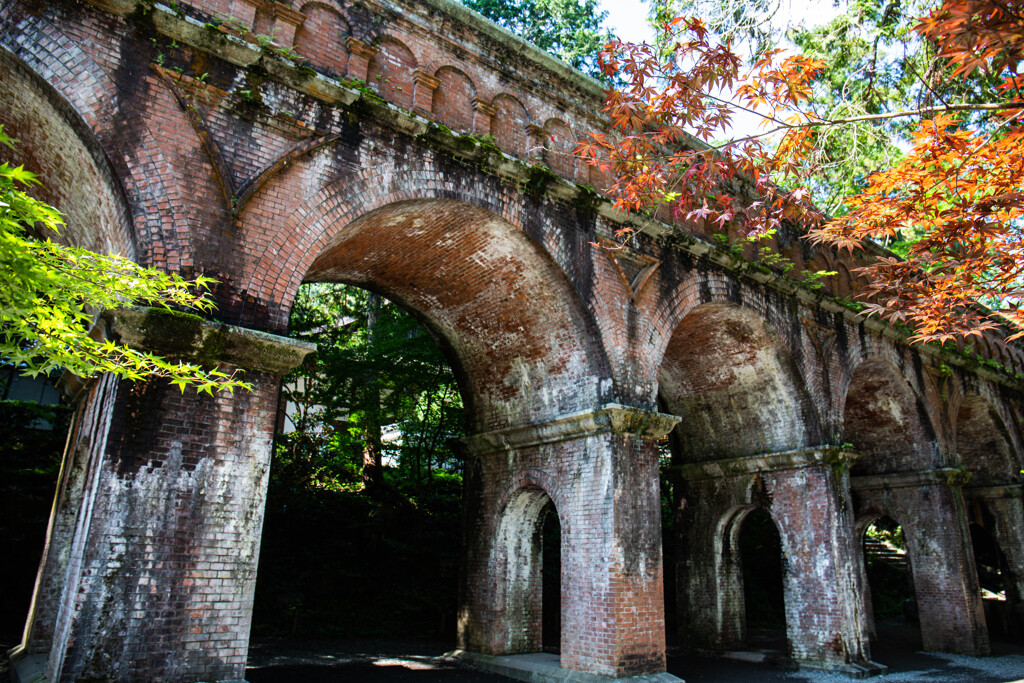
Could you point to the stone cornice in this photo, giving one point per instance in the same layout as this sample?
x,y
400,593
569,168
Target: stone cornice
x,y
947,476
610,418
189,337
765,462
995,491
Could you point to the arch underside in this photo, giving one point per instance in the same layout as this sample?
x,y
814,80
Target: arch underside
x,y
730,379
514,328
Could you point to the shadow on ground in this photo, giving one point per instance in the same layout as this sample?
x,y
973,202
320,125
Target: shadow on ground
x,y
281,661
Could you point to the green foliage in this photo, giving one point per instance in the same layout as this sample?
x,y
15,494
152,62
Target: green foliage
x,y
389,564
375,367
50,295
572,30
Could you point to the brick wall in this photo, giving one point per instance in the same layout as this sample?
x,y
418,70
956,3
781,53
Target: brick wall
x,y
193,152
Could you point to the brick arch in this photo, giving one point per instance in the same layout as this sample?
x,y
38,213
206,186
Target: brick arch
x,y
508,125
452,104
75,174
86,93
885,418
983,443
560,146
732,380
321,37
508,314
390,71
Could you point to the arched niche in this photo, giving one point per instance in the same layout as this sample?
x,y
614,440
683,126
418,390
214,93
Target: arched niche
x,y
321,38
733,382
390,72
453,99
886,421
515,331
508,125
520,543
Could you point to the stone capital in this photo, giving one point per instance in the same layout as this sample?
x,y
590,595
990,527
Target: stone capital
x,y
422,78
190,337
287,14
484,107
610,418
358,47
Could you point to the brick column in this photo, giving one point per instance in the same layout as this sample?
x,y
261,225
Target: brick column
x,y
483,113
151,557
286,22
806,493
537,141
600,469
423,87
245,11
930,507
359,56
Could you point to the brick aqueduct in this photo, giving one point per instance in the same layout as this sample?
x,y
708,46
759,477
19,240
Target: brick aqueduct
x,y
197,146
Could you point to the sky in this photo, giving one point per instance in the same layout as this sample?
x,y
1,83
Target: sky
x,y
628,20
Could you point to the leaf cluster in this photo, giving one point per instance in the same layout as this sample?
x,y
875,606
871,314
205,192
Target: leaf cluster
x,y
51,294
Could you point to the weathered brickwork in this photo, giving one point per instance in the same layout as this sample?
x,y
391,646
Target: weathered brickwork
x,y
191,143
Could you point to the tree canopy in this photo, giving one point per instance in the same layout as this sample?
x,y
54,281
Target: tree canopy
x,y
572,30
50,295
957,191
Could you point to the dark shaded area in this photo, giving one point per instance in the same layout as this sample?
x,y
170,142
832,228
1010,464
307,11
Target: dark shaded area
x,y
343,563
551,577
30,460
761,553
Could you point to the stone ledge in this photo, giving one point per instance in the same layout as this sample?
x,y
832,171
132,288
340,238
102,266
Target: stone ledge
x,y
948,476
610,418
994,491
541,667
766,462
190,337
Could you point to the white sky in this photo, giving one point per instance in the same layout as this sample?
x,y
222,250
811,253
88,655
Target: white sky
x,y
628,20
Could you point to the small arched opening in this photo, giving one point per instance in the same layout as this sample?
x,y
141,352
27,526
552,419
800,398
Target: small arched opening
x,y
529,539
999,592
755,538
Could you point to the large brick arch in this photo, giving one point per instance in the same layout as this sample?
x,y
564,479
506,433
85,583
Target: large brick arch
x,y
983,444
886,419
117,121
75,175
732,380
505,310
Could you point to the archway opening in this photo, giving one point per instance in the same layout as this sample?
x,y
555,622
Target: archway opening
x,y
763,571
514,337
890,584
886,421
730,377
551,588
998,590
361,532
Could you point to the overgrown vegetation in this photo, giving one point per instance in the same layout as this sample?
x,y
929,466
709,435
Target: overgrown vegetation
x,y
363,519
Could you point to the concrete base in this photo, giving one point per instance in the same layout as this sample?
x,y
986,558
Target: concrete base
x,y
32,668
779,661
541,667
26,668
